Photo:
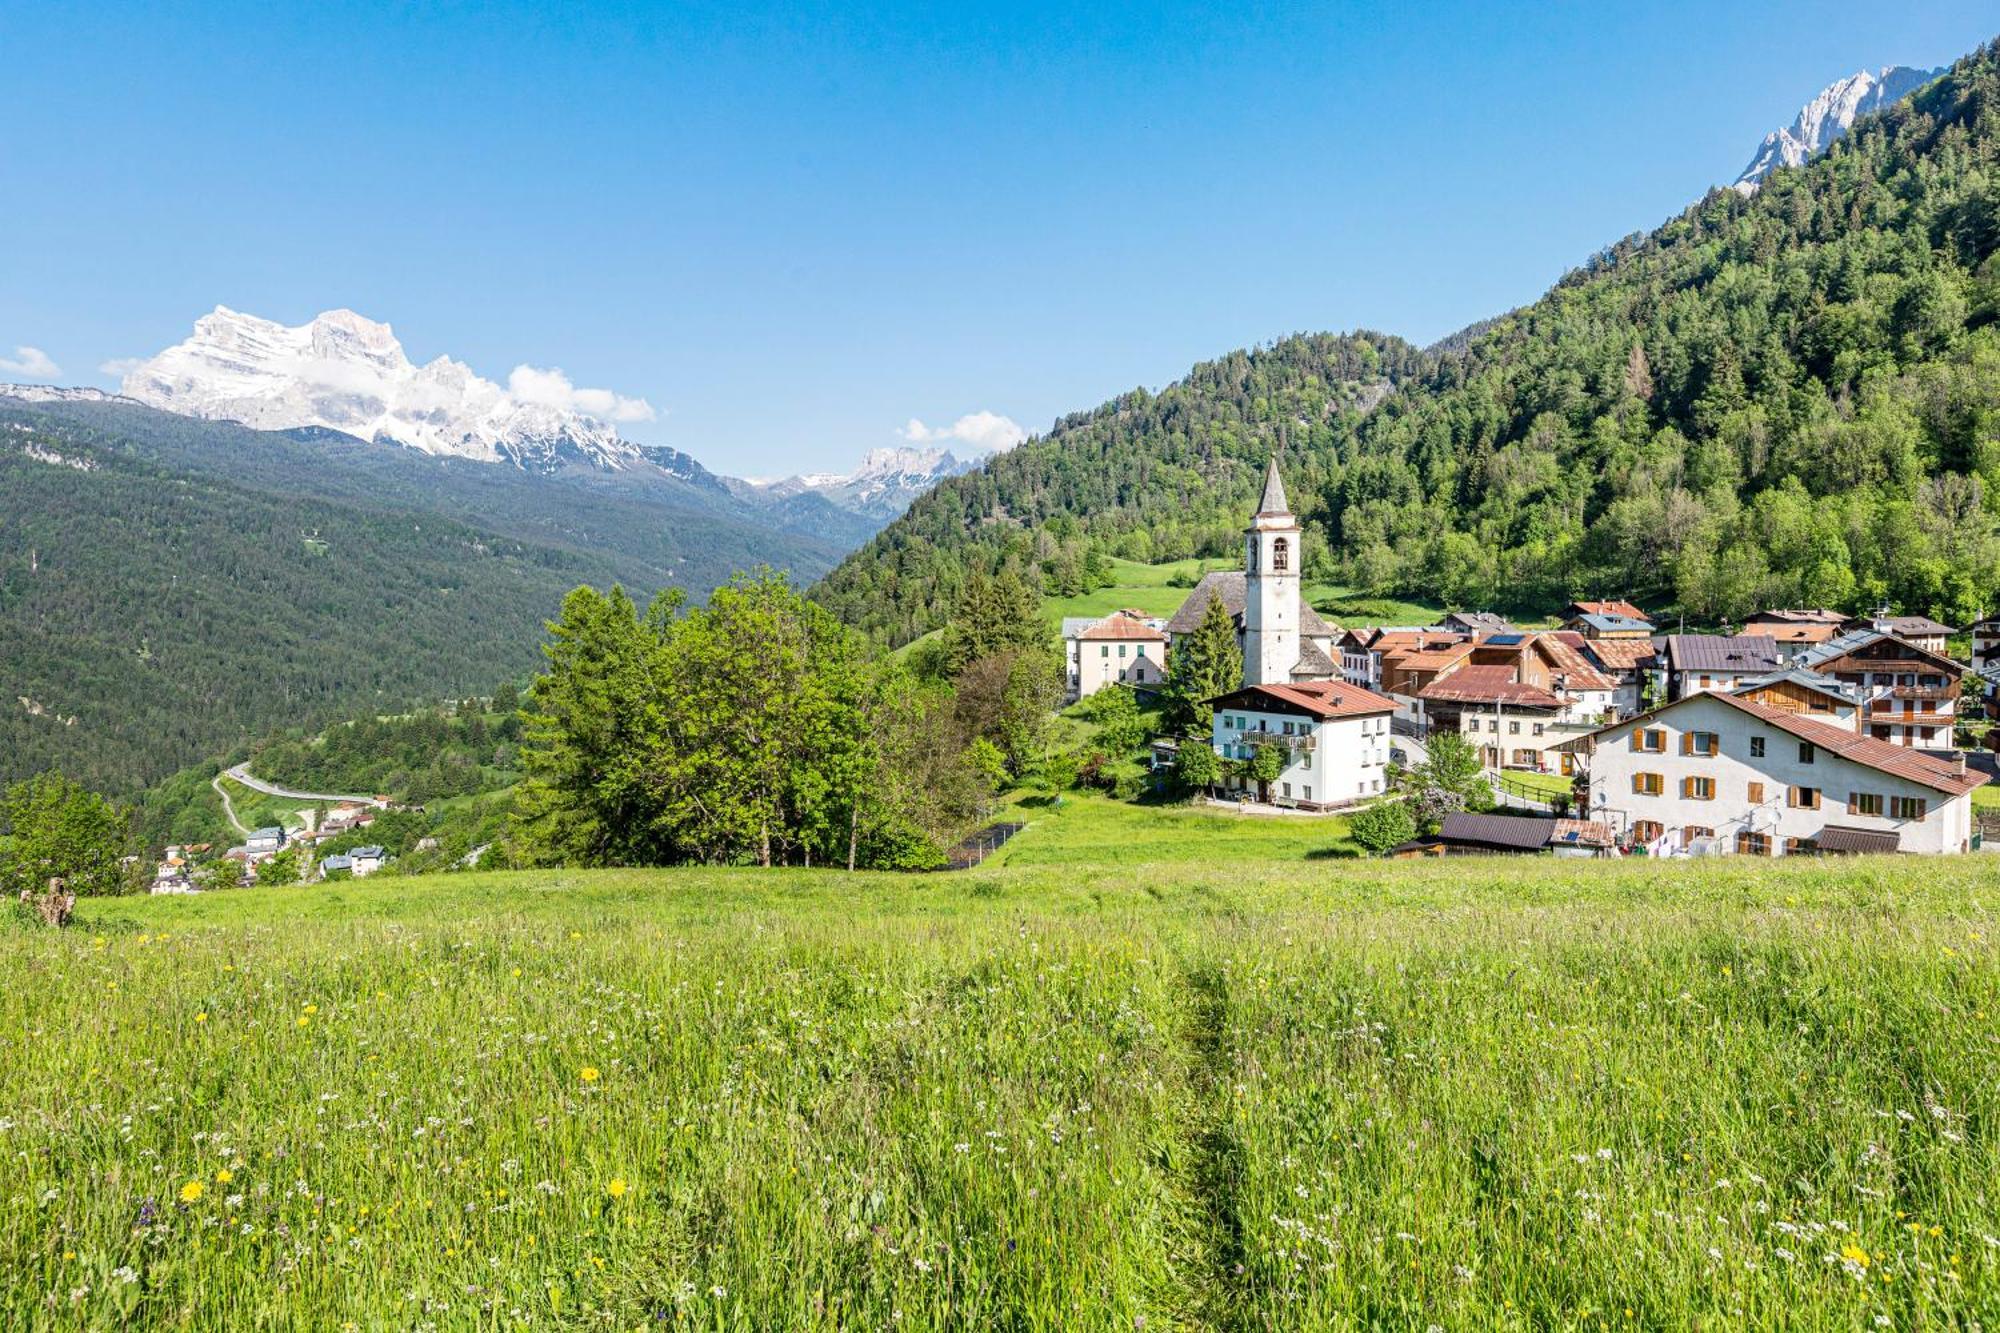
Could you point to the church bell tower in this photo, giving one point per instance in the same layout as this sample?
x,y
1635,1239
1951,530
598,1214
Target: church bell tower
x,y
1271,555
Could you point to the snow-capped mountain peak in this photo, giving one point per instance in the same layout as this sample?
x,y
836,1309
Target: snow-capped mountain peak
x,y
345,372
883,486
1828,116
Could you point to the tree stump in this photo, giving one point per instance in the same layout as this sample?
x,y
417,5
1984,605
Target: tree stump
x,y
54,905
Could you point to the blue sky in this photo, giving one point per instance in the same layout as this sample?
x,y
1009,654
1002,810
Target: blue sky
x,y
792,231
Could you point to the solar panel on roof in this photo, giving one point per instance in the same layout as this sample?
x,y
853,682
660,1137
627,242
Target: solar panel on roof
x,y
1506,638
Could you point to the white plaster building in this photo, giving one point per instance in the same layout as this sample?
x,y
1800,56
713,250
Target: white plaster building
x,y
1716,772
1336,737
1123,648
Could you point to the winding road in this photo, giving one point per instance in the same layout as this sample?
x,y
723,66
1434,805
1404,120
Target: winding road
x,y
241,773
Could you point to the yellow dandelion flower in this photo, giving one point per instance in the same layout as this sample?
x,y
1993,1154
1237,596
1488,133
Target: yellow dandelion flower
x,y
616,1189
224,1176
303,1020
589,1073
1854,1254
192,1190
201,1017
312,1009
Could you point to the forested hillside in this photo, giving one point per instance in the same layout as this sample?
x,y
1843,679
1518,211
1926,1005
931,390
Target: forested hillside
x,y
148,617
1791,398
1149,476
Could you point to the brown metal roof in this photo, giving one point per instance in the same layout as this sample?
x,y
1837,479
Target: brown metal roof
x,y
1839,838
1721,652
1487,685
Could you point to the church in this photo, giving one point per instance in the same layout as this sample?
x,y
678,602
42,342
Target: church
x,y
1285,637
1331,737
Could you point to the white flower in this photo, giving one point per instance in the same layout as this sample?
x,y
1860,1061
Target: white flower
x,y
124,1276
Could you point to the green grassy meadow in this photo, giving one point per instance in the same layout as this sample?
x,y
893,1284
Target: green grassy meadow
x,y
1149,1068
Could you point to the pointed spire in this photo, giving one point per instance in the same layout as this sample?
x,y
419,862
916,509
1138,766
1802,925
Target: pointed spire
x,y
1274,492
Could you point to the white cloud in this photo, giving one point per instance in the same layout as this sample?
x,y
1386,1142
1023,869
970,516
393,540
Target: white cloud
x,y
988,432
118,367
552,388
31,361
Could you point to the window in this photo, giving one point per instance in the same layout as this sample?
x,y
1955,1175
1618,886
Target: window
x,y
1819,703
1799,846
1647,784
1281,555
1805,752
1307,795
1651,740
1803,798
1493,725
1698,742
1287,786
1513,728
1646,830
1756,747
1697,789
1864,803
1907,807
1693,831
1104,650
1538,728
1753,844
1756,793
1121,650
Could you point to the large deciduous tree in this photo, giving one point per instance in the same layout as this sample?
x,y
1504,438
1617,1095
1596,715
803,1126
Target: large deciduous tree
x,y
58,829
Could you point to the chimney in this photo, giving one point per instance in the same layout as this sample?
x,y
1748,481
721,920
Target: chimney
x,y
1958,762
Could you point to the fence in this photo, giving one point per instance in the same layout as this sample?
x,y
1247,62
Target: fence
x,y
980,846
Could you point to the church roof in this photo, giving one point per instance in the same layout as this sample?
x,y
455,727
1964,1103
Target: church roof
x,y
1313,662
1274,492
1232,587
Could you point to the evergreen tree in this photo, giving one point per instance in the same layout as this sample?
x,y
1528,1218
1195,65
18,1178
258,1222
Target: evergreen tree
x,y
1204,665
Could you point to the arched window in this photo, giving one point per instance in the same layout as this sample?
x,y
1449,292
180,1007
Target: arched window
x,y
1280,555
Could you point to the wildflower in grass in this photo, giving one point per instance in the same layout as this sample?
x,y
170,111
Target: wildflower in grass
x,y
616,1189
224,1176
304,1021
192,1191
588,1073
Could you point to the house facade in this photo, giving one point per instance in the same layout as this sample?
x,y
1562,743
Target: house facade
x,y
1335,737
1922,631
1696,663
1720,773
1794,629
1123,648
1909,694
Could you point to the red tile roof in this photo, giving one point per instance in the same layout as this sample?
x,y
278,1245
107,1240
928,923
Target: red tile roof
x,y
1619,608
1118,625
1323,699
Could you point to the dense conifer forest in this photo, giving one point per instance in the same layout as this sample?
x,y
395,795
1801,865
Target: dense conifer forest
x,y
1787,398
148,618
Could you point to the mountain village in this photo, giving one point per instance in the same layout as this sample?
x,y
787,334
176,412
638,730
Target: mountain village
x,y
1806,731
